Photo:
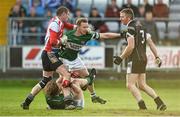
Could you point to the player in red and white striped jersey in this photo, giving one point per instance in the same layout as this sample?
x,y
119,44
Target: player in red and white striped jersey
x,y
50,61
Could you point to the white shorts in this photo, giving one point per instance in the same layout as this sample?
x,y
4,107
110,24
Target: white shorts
x,y
76,64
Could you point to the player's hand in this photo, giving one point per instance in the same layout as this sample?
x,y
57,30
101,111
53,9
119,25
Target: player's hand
x,y
64,39
117,60
66,83
63,47
90,29
158,61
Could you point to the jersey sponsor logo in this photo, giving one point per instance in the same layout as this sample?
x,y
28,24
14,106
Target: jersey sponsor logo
x,y
74,46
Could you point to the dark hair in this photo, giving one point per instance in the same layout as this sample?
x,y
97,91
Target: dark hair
x,y
51,88
78,9
129,12
80,20
61,10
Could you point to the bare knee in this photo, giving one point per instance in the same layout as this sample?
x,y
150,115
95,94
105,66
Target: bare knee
x,y
142,87
59,81
129,86
81,73
62,70
76,87
85,75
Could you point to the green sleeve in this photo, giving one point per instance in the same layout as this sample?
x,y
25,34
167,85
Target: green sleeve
x,y
55,102
95,35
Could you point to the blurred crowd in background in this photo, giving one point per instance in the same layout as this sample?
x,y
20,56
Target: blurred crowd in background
x,y
47,9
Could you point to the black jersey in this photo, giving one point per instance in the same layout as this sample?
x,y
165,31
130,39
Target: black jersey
x,y
136,30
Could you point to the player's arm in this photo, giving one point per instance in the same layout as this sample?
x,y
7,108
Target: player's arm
x,y
97,35
109,35
127,51
152,46
53,37
69,26
129,48
129,34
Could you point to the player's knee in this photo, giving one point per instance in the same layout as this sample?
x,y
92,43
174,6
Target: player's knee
x,y
44,81
84,74
59,80
75,75
66,74
142,87
129,86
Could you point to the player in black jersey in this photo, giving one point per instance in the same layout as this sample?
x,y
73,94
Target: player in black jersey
x,y
135,53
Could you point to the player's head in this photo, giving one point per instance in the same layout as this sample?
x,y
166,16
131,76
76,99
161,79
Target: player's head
x,y
63,13
51,88
82,25
126,15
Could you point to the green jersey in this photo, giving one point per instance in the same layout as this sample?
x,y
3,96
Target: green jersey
x,y
55,102
75,43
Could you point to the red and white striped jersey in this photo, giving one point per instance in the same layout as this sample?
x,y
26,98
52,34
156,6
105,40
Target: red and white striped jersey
x,y
55,32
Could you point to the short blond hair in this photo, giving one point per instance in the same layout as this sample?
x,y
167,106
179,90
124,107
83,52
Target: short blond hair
x,y
129,12
51,88
81,20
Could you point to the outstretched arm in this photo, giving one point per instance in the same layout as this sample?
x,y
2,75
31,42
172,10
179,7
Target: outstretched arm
x,y
109,35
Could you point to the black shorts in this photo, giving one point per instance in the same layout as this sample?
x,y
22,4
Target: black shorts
x,y
50,61
136,67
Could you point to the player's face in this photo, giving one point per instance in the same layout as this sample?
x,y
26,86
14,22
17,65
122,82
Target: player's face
x,y
124,19
83,28
65,16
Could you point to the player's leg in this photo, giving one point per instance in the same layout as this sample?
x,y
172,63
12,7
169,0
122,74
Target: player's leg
x,y
47,76
83,83
69,103
144,87
78,68
78,95
131,80
150,91
83,73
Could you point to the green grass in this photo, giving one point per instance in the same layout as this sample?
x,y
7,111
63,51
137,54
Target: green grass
x,y
120,101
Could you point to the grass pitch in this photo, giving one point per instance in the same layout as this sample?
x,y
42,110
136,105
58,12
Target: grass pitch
x,y
120,101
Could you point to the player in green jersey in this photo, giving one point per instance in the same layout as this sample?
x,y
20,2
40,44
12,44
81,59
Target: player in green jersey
x,y
55,98
73,41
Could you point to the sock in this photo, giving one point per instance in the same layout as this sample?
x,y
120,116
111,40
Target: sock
x,y
29,99
93,94
80,103
142,105
158,101
88,80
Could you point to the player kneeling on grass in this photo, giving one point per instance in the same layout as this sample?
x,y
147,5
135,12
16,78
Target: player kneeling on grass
x,y
54,92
